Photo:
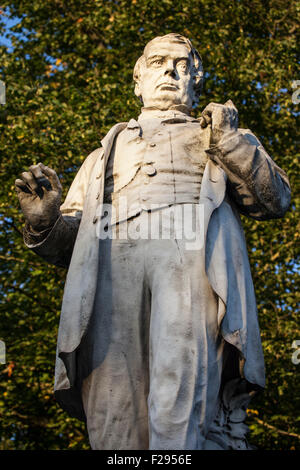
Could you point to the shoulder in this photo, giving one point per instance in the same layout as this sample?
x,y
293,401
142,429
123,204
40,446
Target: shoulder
x,y
94,155
116,129
248,134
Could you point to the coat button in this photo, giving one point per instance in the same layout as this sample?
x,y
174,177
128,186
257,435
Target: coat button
x,y
95,219
152,144
149,170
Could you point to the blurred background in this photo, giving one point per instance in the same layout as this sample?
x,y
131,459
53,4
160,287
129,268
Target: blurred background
x,y
67,67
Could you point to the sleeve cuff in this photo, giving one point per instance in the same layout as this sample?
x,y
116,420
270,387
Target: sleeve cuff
x,y
228,143
32,239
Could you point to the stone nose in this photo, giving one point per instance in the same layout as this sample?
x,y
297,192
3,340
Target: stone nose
x,y
170,68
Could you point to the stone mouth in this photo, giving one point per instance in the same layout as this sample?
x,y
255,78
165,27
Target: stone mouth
x,y
168,86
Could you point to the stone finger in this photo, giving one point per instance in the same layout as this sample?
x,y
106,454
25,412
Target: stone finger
x,y
52,176
230,104
28,178
21,187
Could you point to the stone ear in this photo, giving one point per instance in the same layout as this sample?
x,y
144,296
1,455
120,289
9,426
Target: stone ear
x,y
137,91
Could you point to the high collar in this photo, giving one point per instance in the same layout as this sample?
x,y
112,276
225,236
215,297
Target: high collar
x,y
175,111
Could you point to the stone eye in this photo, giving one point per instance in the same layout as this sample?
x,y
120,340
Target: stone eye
x,y
157,62
182,65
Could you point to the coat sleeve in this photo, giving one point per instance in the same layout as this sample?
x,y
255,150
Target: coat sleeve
x,y
56,244
257,185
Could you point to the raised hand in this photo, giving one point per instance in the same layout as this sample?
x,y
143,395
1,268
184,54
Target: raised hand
x,y
39,192
222,117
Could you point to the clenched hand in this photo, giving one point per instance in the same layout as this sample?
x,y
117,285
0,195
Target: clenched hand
x,y
222,117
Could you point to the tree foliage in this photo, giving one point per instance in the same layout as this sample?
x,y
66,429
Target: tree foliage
x,y
68,76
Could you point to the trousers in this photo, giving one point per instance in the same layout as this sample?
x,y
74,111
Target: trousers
x,y
151,361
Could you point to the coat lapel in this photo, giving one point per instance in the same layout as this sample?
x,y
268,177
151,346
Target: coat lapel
x,y
108,140
212,192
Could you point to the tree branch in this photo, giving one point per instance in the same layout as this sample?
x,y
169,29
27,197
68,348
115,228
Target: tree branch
x,y
279,431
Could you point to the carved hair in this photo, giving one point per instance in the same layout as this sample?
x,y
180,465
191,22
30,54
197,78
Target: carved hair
x,y
197,61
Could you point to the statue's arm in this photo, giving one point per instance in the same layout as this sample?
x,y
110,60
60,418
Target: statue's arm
x,y
55,243
257,185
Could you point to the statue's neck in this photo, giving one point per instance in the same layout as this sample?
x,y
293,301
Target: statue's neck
x,y
153,112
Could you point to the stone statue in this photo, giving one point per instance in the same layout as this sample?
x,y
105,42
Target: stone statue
x,y
159,344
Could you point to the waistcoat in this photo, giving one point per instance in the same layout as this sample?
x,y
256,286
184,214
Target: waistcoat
x,y
155,163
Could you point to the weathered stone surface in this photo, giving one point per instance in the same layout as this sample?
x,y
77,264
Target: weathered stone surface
x,y
159,344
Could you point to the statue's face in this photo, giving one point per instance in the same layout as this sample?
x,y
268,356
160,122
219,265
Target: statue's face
x,y
167,79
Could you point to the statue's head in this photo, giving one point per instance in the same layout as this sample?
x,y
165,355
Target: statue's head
x,y
169,73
